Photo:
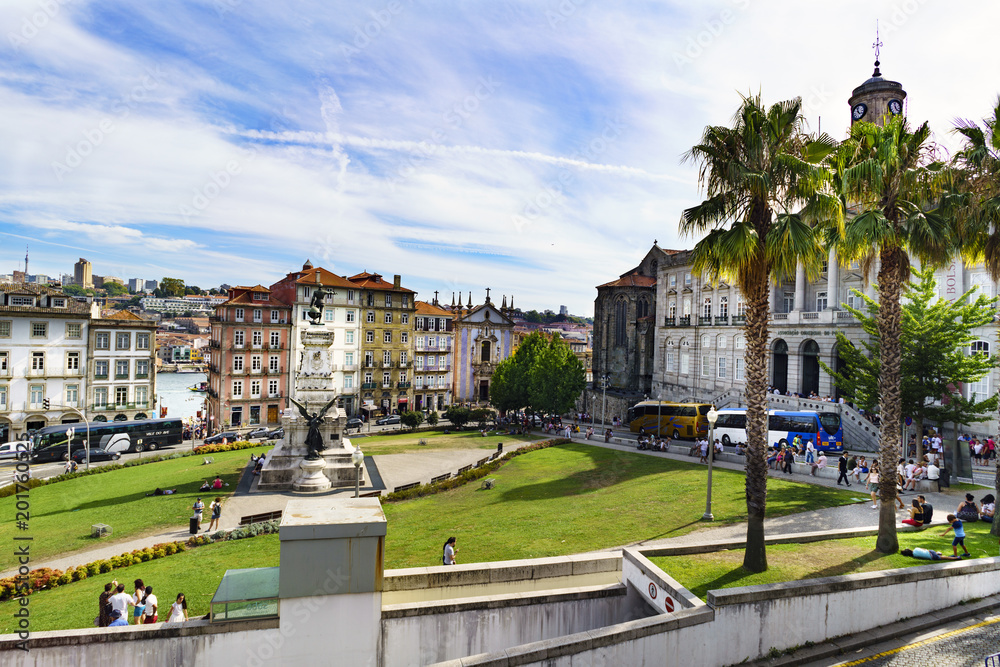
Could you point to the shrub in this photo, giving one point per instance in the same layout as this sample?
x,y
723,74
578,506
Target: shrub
x,y
64,579
93,569
79,573
105,566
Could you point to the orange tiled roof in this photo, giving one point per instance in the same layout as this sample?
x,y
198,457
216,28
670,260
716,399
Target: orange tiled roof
x,y
375,281
424,308
631,279
320,276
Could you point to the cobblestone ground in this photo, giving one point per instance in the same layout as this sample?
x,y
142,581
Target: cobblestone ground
x,y
967,646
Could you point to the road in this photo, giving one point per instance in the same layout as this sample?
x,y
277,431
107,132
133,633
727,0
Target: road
x,y
964,643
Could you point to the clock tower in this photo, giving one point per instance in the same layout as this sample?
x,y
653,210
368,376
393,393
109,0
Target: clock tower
x,y
877,97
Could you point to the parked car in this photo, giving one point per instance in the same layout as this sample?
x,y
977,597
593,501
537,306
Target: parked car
x,y
388,419
354,422
229,436
96,454
276,434
259,433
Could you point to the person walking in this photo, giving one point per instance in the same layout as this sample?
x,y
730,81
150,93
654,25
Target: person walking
x,y
872,481
448,558
149,613
810,451
842,469
216,508
104,605
179,610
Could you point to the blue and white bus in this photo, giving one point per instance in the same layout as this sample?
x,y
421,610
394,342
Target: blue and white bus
x,y
824,429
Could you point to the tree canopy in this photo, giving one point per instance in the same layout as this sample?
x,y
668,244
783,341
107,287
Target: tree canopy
x,y
172,287
543,375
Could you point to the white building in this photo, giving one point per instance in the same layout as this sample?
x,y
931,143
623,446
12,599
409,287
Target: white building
x,y
432,356
121,371
43,355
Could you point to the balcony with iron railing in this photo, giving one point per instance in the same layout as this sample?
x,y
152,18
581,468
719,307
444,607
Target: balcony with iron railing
x,y
739,320
669,321
369,385
704,320
721,320
402,385
684,321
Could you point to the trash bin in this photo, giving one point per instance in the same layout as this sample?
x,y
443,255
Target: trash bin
x,y
194,525
944,481
499,448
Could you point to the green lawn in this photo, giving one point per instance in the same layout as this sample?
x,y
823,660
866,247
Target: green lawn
x,y
790,562
61,514
573,498
196,573
410,442
565,499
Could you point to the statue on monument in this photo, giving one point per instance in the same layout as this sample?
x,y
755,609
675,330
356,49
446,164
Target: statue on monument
x,y
314,439
315,311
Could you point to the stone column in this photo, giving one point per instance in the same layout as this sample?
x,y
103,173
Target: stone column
x,y
832,281
800,287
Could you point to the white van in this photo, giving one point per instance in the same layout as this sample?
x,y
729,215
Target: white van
x,y
9,450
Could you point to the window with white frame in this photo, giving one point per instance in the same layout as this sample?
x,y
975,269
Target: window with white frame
x,y
386,379
255,389
256,339
238,363
121,369
980,388
739,368
4,361
672,310
349,381
388,301
100,396
275,316
258,315
685,358
706,308
22,301
386,336
72,394
673,280
670,360
101,369
724,306
256,363
706,365
239,336
350,296
4,329
404,337
123,340
402,357
386,357
141,396
706,341
349,337
239,314
721,341
402,376
142,341
38,361
350,316
141,368
72,361
371,317
39,329
820,301
388,318
418,362
102,340
275,339
3,396
237,388
348,358
722,368
272,363
330,315
369,336
121,395
74,330
36,395
741,307
272,388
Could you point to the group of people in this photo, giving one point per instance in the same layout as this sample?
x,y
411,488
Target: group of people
x,y
981,451
969,511
653,443
113,605
215,508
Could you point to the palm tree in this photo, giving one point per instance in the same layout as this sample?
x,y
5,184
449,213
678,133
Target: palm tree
x,y
977,199
886,174
754,174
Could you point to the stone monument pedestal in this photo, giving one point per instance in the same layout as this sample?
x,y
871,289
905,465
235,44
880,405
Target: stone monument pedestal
x,y
286,468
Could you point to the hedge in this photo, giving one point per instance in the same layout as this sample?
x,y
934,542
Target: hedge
x,y
32,483
44,577
469,475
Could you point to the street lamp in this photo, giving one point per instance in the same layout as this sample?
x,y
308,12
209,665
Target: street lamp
x,y
712,416
357,458
659,410
605,380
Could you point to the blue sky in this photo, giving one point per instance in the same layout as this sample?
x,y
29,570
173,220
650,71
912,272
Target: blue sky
x,y
530,147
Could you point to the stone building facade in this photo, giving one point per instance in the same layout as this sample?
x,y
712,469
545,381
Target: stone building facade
x,y
484,336
624,326
121,369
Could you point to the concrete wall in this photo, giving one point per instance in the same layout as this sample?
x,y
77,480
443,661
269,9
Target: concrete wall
x,y
745,623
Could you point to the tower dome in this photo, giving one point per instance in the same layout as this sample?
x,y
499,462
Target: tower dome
x,y
877,97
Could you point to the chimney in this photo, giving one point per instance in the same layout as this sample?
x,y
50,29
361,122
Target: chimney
x,y
395,281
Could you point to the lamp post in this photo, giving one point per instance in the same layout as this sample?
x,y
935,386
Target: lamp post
x,y
604,401
712,416
659,410
85,423
357,458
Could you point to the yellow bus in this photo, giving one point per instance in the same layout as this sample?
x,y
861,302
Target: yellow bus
x,y
677,420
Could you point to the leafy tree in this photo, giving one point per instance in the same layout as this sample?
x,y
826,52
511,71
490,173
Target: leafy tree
x,y
115,289
934,339
192,289
412,419
886,173
557,379
172,287
482,416
510,387
77,290
756,174
458,416
432,418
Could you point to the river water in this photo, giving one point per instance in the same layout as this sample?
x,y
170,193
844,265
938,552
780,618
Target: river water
x,y
174,395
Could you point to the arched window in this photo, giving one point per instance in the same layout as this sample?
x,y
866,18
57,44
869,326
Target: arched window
x,y
706,341
981,388
685,357
621,322
642,308
720,341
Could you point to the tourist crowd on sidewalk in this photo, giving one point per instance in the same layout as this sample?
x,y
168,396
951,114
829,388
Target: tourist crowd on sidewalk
x,y
113,606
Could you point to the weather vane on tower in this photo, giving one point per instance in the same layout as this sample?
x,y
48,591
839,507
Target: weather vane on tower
x,y
877,45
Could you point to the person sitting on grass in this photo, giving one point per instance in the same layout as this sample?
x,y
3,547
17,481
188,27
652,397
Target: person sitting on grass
x,y
988,508
927,554
217,483
956,525
916,514
967,509
162,492
205,486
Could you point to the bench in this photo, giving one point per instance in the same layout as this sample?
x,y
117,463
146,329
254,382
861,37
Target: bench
x,y
482,461
100,530
405,487
488,483
440,478
260,518
371,494
464,469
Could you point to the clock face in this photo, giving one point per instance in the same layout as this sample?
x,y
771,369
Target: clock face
x,y
859,111
895,107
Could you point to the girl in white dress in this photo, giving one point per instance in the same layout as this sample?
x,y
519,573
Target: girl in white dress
x,y
178,610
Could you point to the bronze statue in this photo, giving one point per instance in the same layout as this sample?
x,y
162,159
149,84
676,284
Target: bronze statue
x,y
314,439
315,311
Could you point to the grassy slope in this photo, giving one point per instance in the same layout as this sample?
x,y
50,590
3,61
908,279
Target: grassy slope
x,y
436,440
790,562
62,513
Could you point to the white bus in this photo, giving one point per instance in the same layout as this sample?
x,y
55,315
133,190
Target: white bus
x,y
822,428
